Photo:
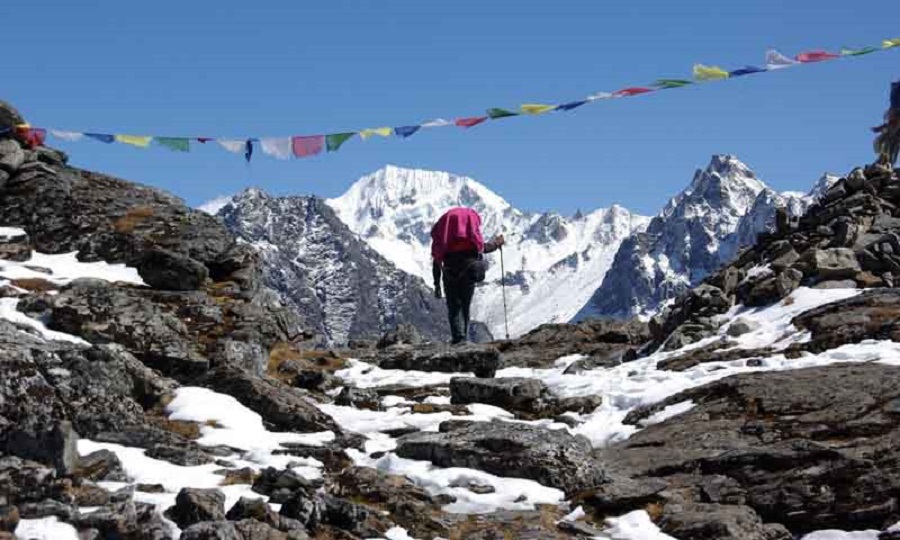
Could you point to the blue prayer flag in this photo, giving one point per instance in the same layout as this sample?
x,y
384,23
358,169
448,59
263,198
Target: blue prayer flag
x,y
102,137
249,153
748,70
571,105
406,131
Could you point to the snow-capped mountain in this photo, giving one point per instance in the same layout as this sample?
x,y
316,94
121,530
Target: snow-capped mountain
x,y
553,263
337,284
723,210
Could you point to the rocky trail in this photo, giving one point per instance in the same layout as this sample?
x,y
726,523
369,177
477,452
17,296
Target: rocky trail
x,y
153,388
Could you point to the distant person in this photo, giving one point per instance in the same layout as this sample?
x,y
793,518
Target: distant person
x,y
887,143
457,247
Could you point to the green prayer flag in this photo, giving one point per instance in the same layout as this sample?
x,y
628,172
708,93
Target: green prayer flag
x,y
857,52
500,113
334,141
671,83
177,144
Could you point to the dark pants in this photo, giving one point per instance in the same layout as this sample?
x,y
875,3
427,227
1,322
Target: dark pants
x,y
459,300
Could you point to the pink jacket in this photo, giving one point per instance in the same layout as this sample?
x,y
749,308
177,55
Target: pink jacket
x,y
459,229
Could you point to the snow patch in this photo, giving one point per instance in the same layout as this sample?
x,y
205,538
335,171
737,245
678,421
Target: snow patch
x,y
634,526
45,529
63,268
213,206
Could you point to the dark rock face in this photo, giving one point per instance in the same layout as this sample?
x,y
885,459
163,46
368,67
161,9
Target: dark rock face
x,y
553,458
162,269
506,393
339,286
283,408
479,359
812,458
212,530
596,339
871,315
196,505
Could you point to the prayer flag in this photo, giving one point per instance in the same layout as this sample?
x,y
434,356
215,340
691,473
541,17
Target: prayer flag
x,y
71,136
235,146
601,95
307,146
102,137
665,84
335,140
709,73
633,91
406,131
747,70
204,140
470,122
31,136
248,153
888,43
178,144
571,105
437,122
536,108
815,56
776,60
857,52
279,147
140,141
500,113
382,131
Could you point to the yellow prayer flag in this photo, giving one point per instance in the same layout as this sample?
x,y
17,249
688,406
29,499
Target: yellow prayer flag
x,y
382,131
140,141
536,108
888,43
709,73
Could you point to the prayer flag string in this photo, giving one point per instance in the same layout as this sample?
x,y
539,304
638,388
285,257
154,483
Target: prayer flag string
x,y
303,146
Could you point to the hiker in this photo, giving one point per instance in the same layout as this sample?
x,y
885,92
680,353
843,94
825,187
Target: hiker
x,y
456,249
887,143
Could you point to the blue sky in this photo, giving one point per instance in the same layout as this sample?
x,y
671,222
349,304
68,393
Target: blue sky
x,y
227,68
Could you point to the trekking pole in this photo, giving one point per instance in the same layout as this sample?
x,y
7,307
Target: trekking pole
x,y
503,286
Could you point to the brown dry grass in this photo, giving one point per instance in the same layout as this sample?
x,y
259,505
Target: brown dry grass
x,y
33,284
132,218
310,359
188,430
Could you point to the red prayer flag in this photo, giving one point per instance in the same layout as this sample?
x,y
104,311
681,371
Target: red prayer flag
x,y
816,56
633,91
33,137
470,122
307,146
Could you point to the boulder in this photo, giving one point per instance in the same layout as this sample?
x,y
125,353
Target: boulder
x,y
282,407
101,465
165,270
829,264
482,360
741,326
810,449
507,393
12,157
554,458
14,246
361,398
280,486
9,116
874,314
212,530
197,505
404,334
